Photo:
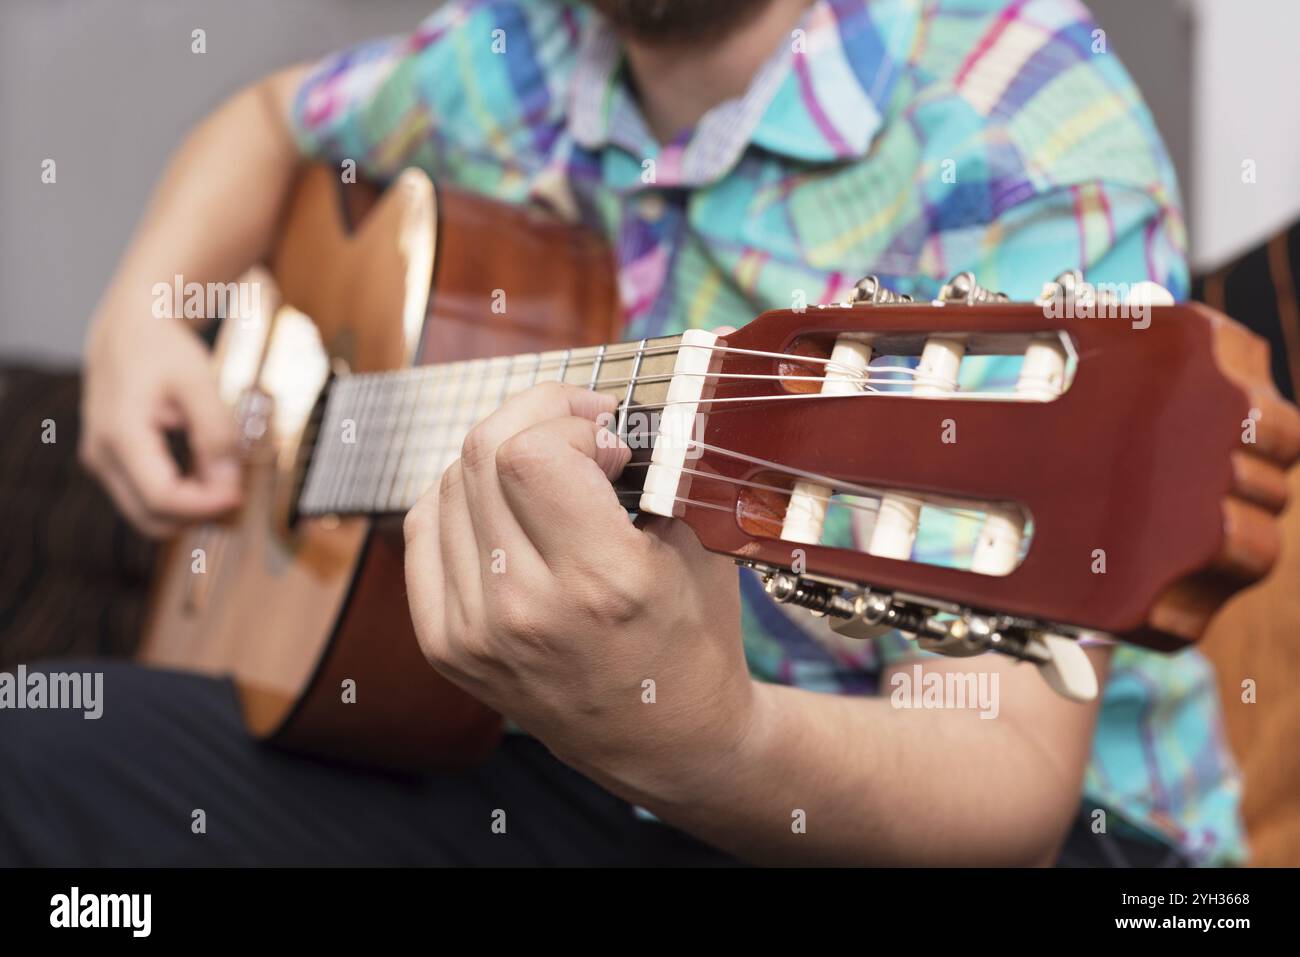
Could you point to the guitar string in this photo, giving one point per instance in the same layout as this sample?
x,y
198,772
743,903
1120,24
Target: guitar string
x,y
943,503
606,356
916,378
355,385
840,486
566,362
730,511
858,377
870,506
445,451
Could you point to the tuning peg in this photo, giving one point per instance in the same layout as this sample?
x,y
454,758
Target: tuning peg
x,y
960,633
1065,287
869,291
1065,666
963,288
965,637
1147,293
1071,288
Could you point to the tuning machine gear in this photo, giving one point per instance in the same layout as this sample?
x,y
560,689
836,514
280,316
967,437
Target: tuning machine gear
x,y
1073,292
963,288
870,291
948,630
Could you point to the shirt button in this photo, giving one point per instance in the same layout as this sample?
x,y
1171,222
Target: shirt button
x,y
651,207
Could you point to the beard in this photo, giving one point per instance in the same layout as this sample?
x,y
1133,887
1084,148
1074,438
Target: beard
x,y
676,21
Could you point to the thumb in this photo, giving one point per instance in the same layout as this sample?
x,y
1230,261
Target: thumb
x,y
210,428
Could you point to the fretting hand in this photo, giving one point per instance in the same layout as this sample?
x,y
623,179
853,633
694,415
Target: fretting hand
x,y
618,646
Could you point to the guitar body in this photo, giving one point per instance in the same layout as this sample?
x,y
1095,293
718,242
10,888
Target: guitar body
x,y
309,617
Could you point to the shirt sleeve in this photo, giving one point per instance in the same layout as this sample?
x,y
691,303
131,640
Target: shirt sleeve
x,y
475,87
357,100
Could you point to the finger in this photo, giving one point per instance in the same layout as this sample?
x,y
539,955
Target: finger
x,y
493,520
550,400
558,494
157,482
128,502
461,559
424,574
210,430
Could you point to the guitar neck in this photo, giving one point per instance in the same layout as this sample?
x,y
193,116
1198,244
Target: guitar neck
x,y
383,438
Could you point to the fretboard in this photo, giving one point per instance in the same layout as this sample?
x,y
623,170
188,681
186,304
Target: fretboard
x,y
383,438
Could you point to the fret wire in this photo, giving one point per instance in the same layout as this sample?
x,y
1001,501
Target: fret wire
x,y
394,494
627,398
365,436
318,468
377,440
599,355
444,451
326,453
406,434
418,481
433,446
433,433
478,398
354,453
365,433
351,412
398,446
334,459
485,404
497,396
401,440
431,387
378,460
595,368
467,402
350,390
424,476
442,420
316,464
505,380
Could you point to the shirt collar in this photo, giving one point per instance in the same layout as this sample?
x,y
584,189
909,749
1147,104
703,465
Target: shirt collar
x,y
820,98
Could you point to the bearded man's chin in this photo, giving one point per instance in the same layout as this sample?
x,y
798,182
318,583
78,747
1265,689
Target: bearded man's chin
x,y
676,21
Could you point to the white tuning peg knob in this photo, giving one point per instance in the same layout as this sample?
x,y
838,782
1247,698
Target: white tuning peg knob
x,y
1147,293
1067,670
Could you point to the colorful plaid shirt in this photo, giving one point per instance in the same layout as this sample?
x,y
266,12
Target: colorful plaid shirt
x,y
908,138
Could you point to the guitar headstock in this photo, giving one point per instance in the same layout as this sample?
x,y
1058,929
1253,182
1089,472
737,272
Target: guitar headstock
x,y
1123,477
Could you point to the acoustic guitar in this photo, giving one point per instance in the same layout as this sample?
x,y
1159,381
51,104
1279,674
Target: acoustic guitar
x,y
1124,487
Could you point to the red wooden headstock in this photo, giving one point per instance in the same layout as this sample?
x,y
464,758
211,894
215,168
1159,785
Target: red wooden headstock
x,y
1152,483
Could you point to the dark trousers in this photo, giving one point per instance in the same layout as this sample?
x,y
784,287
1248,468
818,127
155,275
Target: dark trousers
x,y
124,790
170,757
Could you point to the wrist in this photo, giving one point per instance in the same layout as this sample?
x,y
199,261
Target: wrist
x,y
699,762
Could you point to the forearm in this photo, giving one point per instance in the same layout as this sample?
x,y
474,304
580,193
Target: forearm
x,y
214,212
832,779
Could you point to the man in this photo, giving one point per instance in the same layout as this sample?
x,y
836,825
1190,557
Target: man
x,y
739,154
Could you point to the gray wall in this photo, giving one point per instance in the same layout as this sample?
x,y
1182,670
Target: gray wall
x,y
1153,39
107,88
